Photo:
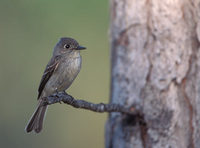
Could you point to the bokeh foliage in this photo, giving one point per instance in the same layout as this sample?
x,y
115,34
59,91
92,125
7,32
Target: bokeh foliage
x,y
28,32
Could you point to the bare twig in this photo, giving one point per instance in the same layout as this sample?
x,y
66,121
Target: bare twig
x,y
101,107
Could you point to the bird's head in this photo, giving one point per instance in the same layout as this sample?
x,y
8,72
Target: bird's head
x,y
67,46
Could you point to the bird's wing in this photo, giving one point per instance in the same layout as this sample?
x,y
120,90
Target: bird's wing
x,y
50,68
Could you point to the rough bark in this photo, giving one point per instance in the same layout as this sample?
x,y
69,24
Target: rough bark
x,y
155,65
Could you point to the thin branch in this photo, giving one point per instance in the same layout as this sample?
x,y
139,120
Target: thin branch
x,y
101,107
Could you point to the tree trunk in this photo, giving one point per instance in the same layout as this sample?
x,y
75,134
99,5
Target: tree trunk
x,y
156,67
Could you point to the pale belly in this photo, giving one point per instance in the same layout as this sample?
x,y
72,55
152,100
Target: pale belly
x,y
63,77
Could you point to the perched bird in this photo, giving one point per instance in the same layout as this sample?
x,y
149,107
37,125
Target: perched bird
x,y
59,74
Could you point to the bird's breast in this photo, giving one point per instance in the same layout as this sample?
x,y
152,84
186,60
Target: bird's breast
x,y
63,77
69,70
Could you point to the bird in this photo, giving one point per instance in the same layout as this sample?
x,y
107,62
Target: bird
x,y
60,72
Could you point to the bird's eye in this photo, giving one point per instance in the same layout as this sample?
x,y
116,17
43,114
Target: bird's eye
x,y
66,46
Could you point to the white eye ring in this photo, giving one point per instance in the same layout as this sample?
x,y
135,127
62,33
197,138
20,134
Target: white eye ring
x,y
66,46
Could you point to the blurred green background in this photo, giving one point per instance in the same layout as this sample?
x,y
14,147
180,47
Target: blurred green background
x,y
28,32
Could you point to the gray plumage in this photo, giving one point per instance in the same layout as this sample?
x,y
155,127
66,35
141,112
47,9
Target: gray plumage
x,y
59,74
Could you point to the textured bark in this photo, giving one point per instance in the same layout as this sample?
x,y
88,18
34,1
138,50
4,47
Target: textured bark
x,y
156,66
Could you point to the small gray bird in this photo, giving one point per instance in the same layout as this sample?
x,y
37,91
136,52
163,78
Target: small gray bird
x,y
59,74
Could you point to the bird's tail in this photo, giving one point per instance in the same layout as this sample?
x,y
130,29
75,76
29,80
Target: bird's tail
x,y
36,121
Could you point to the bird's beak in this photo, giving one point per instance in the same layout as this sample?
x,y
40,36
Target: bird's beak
x,y
80,48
